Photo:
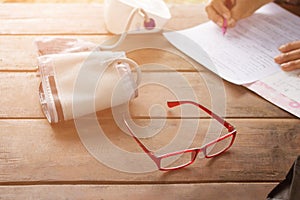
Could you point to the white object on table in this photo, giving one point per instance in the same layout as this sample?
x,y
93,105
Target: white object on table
x,y
117,12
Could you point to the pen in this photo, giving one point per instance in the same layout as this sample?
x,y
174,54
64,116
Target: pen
x,y
224,26
229,5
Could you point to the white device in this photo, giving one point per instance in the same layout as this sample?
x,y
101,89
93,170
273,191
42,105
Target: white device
x,y
138,16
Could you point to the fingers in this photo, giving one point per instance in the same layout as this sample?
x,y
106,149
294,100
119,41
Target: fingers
x,y
288,56
290,66
217,11
214,15
221,8
290,46
289,60
231,22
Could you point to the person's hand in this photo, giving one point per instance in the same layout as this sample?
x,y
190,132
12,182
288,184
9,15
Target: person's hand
x,y
289,59
232,10
218,9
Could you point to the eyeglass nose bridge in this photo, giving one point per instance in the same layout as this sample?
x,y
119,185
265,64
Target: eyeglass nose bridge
x,y
204,151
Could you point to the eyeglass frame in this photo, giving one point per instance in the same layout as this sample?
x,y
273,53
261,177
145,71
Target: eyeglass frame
x,y
195,151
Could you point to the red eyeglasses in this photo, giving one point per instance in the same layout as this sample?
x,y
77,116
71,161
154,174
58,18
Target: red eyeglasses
x,y
180,159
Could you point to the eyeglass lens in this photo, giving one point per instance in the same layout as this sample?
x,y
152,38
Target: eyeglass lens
x,y
178,160
186,158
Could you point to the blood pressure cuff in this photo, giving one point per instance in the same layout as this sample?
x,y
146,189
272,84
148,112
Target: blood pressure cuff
x,y
77,80
289,188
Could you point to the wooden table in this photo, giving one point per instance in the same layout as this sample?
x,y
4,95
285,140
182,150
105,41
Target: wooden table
x,y
40,161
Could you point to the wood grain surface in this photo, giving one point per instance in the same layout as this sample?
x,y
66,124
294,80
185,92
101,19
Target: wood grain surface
x,y
43,161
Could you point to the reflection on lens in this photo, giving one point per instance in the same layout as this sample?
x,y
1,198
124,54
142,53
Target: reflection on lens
x,y
218,147
177,160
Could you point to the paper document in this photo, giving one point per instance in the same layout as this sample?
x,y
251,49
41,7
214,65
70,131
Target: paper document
x,y
287,83
245,55
246,52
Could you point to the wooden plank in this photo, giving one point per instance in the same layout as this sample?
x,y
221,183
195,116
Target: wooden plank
x,y
186,16
32,151
12,57
79,19
51,19
22,101
153,48
225,191
19,95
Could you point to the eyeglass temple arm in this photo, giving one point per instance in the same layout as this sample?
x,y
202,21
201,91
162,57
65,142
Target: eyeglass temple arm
x,y
172,104
146,150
